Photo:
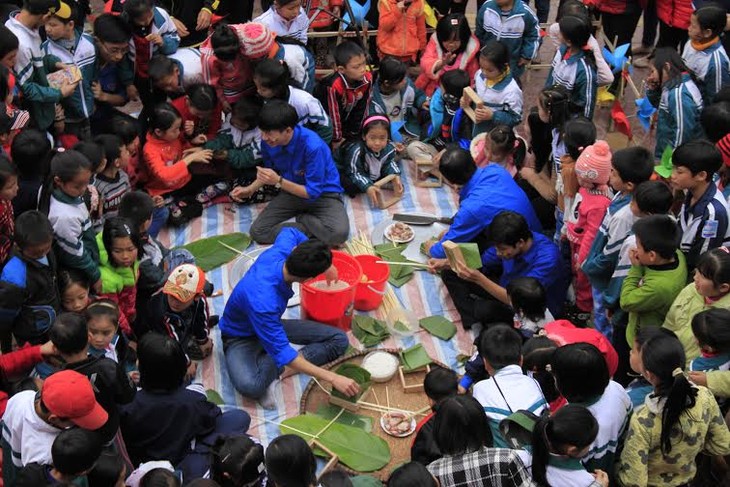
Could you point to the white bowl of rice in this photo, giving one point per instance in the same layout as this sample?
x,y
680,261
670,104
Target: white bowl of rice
x,y
381,365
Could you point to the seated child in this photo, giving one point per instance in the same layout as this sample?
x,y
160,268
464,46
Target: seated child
x,y
286,18
438,384
30,152
370,160
225,66
119,266
237,459
527,297
712,368
508,389
657,275
74,290
29,299
113,182
704,54
8,191
201,113
401,29
181,311
112,387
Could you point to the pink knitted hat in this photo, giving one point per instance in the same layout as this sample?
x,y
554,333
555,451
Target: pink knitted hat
x,y
256,40
594,164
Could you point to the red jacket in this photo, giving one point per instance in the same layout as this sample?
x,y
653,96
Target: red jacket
x,y
675,13
563,332
468,60
614,6
401,34
166,170
230,79
17,363
208,127
322,19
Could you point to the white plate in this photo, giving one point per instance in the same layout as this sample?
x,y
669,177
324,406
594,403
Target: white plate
x,y
422,233
386,234
399,435
244,262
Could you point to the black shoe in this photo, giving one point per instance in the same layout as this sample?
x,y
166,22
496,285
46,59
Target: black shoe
x,y
213,321
208,288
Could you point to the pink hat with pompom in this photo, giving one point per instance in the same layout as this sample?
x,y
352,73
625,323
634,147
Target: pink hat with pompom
x,y
256,40
594,164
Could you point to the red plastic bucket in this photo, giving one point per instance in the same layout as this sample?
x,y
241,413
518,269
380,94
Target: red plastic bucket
x,y
371,288
332,307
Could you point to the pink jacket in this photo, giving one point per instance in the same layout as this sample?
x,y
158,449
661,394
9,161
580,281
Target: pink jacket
x,y
468,60
231,79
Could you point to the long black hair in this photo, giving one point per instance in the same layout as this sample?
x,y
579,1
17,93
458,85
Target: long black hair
x,y
290,462
119,227
274,75
666,57
577,30
237,461
453,26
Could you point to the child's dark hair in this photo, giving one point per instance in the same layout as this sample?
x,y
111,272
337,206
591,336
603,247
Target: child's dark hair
x,y
556,102
224,42
137,207
664,357
160,477
508,228
40,7
715,266
69,277
159,67
571,425
8,41
716,120
500,345
345,51
578,133
454,82
163,117
391,71
411,474
111,145
658,233
31,151
75,451
711,329
374,121
290,462
237,460
103,307
202,97
162,363
577,30
457,165
93,152
633,164
110,28
274,75
126,128
69,333
118,227
503,139
7,170
335,478
277,115
461,426
134,9
713,17
107,470
668,57
537,353
698,155
580,370
528,297
309,259
453,27
440,383
653,198
496,53
32,228
572,7
65,166
247,110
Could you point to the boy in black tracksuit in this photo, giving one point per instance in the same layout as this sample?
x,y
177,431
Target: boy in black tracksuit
x,y
439,384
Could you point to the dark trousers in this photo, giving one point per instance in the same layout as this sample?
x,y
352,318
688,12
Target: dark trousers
x,y
619,28
474,304
542,139
671,37
651,21
543,10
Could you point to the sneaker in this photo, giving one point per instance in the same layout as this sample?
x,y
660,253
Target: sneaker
x,y
193,350
642,62
268,400
213,321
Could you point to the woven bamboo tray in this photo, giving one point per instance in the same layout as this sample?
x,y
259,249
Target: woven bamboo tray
x,y
400,448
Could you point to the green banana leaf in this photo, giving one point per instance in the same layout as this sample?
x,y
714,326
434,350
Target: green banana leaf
x,y
438,326
214,397
329,411
356,373
209,252
472,257
414,358
355,448
369,331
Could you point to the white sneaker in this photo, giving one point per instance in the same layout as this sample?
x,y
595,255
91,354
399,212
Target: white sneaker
x,y
268,400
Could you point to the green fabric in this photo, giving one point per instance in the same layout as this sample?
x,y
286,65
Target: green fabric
x,y
369,331
647,294
114,279
244,158
438,326
210,254
414,358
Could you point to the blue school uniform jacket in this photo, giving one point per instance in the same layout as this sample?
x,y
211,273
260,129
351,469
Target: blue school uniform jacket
x,y
411,100
517,29
578,76
711,66
447,127
361,164
504,99
679,106
300,62
705,225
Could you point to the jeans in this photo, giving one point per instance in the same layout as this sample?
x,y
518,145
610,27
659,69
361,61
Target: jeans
x,y
159,219
600,320
252,369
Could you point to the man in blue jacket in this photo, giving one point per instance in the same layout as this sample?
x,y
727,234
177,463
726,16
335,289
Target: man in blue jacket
x,y
485,192
257,342
299,163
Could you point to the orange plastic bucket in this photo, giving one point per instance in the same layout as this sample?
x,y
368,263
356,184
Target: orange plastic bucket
x,y
332,307
371,288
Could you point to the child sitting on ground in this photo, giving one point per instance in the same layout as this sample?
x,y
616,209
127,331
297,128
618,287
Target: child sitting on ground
x,y
527,297
712,368
113,182
237,460
438,384
201,114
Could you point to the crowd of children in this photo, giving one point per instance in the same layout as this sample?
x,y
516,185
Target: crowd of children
x,y
600,313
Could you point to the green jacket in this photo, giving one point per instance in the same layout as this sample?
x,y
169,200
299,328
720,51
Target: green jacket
x,y
114,279
648,292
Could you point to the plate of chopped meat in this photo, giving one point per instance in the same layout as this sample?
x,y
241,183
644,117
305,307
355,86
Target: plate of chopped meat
x,y
399,232
398,423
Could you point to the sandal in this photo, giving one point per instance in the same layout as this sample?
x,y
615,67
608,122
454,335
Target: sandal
x,y
212,192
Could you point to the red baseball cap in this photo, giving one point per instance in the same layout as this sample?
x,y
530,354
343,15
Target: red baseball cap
x,y
69,395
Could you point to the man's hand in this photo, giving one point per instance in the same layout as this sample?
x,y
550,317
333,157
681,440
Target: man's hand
x,y
206,348
154,39
48,349
182,31
331,274
190,373
467,273
189,127
437,265
426,246
267,176
699,378
460,390
345,385
158,201
373,192
240,193
204,18
132,93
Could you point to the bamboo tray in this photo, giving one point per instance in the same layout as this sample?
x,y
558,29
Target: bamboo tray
x,y
400,448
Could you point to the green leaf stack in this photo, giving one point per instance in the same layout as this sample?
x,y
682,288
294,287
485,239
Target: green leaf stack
x,y
414,358
438,326
391,252
210,254
356,449
356,373
368,330
471,254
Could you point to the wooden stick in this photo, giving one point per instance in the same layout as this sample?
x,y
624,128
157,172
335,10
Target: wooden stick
x,y
387,397
321,387
411,264
233,249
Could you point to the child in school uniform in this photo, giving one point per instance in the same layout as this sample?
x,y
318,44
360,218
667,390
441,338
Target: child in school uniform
x,y
113,182
712,368
704,54
401,29
286,18
438,384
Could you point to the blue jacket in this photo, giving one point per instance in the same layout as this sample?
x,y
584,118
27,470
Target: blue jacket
x,y
711,66
300,62
356,165
541,261
517,29
504,99
259,300
704,226
305,160
680,105
412,99
446,128
80,105
576,75
490,191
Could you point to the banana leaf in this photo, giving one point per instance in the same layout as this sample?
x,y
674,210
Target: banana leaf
x,y
472,257
214,397
369,331
329,411
356,373
356,449
209,252
365,481
438,326
399,274
414,358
